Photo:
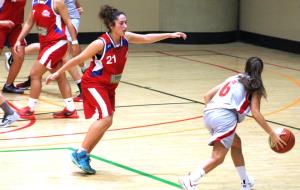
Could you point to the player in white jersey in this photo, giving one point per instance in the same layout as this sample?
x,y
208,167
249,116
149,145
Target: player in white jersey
x,y
226,105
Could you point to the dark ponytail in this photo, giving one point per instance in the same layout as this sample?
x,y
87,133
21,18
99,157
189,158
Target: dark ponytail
x,y
251,79
109,14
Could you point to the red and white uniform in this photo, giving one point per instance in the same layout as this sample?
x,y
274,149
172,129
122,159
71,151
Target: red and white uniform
x,y
103,76
229,106
51,31
233,96
12,10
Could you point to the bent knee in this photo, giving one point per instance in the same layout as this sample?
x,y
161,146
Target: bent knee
x,y
218,160
108,121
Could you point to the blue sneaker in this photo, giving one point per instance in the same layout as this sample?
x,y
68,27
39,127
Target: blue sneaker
x,y
82,160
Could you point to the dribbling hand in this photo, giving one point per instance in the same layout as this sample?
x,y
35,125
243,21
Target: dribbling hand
x,y
278,142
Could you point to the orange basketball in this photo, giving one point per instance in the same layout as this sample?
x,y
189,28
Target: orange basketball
x,y
287,136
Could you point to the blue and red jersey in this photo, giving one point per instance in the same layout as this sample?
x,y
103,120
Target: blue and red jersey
x,y
106,69
49,24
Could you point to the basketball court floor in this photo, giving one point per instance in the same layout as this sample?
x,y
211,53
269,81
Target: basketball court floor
x,y
158,132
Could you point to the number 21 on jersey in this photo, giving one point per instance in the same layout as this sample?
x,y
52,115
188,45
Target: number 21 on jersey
x,y
111,59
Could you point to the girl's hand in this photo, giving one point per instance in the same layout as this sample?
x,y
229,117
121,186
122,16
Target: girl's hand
x,y
276,140
178,35
80,10
17,46
7,24
52,77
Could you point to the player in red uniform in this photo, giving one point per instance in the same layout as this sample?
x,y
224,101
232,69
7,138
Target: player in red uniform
x,y
109,55
74,10
11,19
50,17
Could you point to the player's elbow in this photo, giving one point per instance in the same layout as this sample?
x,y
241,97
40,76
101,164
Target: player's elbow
x,y
255,113
206,99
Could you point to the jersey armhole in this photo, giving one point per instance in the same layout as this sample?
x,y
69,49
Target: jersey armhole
x,y
104,48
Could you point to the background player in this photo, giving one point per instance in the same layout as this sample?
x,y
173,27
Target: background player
x,y
11,19
74,10
50,17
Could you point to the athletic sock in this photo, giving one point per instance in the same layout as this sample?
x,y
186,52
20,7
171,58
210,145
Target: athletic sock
x,y
197,174
69,104
31,103
6,108
242,173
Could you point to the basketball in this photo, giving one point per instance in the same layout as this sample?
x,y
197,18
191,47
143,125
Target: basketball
x,y
287,136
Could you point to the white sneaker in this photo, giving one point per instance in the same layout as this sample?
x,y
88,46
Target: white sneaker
x,y
186,183
8,60
9,119
251,182
248,185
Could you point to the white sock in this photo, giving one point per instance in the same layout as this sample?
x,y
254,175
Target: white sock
x,y
31,103
69,104
80,150
197,174
242,173
78,81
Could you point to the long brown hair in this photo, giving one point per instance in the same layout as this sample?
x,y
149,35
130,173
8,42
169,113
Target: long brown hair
x,y
251,79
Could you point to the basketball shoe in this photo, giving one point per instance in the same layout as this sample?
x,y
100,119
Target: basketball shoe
x,y
82,160
77,98
66,114
12,89
9,119
186,183
24,85
26,113
249,184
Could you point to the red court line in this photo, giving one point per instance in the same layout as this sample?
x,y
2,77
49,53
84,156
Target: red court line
x,y
31,122
219,53
126,128
203,62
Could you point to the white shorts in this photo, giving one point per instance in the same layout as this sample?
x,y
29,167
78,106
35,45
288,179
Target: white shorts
x,y
221,124
76,23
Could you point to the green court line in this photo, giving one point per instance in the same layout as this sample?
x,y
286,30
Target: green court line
x,y
105,161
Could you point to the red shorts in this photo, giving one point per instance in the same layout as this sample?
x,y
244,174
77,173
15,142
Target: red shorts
x,y
10,36
52,53
100,99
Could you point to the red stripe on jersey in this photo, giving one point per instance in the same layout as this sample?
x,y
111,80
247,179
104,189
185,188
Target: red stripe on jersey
x,y
244,105
49,24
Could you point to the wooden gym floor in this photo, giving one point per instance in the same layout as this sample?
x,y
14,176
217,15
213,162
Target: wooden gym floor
x,y
158,132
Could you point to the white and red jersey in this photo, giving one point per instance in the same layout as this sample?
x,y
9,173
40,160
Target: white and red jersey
x,y
49,24
13,10
106,69
233,96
